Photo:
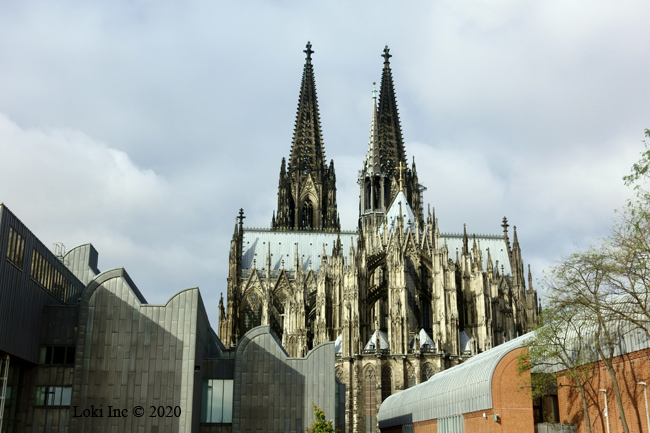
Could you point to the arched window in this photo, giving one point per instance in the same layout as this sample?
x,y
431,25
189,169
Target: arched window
x,y
386,383
411,381
371,403
252,314
427,372
307,215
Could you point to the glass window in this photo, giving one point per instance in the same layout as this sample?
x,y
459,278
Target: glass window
x,y
61,355
15,248
53,395
216,402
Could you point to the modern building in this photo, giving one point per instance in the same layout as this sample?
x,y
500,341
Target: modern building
x,y
483,394
402,299
82,350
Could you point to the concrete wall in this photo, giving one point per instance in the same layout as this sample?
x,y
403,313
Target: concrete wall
x,y
273,392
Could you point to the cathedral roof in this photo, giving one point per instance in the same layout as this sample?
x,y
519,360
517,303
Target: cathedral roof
x,y
425,340
383,341
256,243
496,244
400,204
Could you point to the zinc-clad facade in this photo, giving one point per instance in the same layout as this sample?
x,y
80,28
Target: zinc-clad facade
x,y
84,355
26,288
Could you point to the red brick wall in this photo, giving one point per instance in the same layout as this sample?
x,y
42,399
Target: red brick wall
x,y
514,407
630,369
429,426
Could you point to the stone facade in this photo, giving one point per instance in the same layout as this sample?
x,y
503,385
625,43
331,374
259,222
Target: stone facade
x,y
389,293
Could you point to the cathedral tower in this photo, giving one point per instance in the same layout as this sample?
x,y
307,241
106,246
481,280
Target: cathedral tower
x,y
385,163
307,187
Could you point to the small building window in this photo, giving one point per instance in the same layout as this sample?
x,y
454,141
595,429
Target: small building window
x,y
58,355
216,401
16,248
53,395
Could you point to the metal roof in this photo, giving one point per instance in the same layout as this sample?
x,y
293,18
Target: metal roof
x,y
383,340
496,244
464,388
283,247
399,204
310,247
425,340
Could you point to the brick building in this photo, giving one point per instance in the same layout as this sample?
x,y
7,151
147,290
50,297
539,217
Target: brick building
x,y
632,366
481,395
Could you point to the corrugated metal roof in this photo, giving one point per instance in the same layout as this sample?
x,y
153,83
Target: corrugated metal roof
x,y
283,247
461,389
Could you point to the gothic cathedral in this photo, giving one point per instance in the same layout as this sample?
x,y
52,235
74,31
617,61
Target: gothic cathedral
x,y
398,305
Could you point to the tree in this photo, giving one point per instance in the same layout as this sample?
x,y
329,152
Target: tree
x,y
580,283
558,345
320,424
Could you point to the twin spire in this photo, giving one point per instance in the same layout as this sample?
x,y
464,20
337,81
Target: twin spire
x,y
307,152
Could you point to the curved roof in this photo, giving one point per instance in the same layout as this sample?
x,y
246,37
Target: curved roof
x,y
464,388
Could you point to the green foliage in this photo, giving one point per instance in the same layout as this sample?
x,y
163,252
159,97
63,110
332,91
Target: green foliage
x,y
320,424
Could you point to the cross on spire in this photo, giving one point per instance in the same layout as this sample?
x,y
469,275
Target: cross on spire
x,y
505,224
241,217
308,51
400,168
386,54
374,89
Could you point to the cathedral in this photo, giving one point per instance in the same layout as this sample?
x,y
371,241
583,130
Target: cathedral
x,y
402,299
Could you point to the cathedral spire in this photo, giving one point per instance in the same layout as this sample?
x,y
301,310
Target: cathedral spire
x,y
391,145
307,187
307,153
373,160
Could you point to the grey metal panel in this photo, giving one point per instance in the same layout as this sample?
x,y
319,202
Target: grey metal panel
x,y
271,398
21,298
283,247
461,389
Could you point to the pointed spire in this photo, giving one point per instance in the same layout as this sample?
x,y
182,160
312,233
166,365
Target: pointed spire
x,y
530,279
391,145
307,153
465,246
373,161
505,236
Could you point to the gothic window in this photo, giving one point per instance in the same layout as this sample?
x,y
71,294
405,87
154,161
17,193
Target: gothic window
x,y
427,372
371,403
386,383
411,380
425,315
307,215
277,318
368,197
252,316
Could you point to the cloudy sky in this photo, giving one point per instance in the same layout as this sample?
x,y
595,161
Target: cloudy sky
x,y
143,126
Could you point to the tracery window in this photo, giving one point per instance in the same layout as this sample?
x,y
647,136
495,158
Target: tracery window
x,y
307,215
411,380
371,403
252,316
386,383
427,372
